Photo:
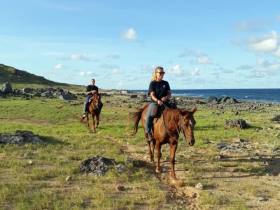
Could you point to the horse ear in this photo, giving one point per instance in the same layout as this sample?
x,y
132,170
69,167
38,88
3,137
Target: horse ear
x,y
194,110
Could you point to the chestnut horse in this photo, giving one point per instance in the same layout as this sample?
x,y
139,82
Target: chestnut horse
x,y
166,130
93,110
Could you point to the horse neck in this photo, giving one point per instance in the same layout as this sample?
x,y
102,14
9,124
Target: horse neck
x,y
91,105
170,119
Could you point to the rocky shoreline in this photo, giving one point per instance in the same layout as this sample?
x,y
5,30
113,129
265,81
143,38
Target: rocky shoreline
x,y
133,97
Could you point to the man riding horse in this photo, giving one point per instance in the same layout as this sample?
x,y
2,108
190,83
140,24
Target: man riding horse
x,y
90,91
160,93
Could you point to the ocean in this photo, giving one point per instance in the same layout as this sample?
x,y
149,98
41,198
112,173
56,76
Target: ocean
x,y
259,95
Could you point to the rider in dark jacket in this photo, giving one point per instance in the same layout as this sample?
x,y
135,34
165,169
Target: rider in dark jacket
x,y
90,90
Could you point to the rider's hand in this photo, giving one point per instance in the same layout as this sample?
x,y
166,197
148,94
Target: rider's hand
x,y
159,102
163,99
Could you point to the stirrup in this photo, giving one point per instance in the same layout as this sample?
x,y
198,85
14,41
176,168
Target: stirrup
x,y
150,137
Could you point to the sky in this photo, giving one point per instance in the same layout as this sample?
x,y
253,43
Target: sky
x,y
201,44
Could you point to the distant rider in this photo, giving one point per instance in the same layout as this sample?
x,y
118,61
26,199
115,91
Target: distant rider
x,y
90,91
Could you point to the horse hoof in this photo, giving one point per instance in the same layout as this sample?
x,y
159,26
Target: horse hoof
x,y
176,182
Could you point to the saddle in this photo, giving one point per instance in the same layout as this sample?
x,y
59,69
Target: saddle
x,y
171,105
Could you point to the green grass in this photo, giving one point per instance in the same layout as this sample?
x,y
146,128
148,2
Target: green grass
x,y
43,185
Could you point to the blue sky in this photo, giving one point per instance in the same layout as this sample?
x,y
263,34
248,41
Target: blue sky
x,y
201,44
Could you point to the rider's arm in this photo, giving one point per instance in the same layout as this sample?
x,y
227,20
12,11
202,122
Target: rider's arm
x,y
166,98
153,97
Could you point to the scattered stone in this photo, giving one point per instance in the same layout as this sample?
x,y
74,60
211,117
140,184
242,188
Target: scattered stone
x,y
20,137
120,187
221,145
30,162
238,145
240,123
97,165
212,99
276,119
27,90
262,199
47,94
120,168
67,96
68,178
7,88
133,96
199,186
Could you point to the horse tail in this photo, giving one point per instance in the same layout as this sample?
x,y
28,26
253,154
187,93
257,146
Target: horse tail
x,y
136,116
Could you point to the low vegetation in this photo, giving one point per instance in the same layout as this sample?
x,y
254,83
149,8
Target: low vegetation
x,y
47,176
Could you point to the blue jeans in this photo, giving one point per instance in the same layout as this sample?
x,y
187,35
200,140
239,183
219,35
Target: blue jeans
x,y
151,113
86,103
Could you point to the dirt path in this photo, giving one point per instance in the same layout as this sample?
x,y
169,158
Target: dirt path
x,y
249,176
177,191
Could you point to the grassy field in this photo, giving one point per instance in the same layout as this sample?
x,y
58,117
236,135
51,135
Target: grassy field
x,y
47,176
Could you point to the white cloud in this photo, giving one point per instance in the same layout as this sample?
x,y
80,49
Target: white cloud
x,y
266,65
268,43
148,68
79,57
87,73
113,56
115,71
245,67
265,68
195,72
58,66
204,59
176,70
251,25
119,85
130,34
199,57
277,52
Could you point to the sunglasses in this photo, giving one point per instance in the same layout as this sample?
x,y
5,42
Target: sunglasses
x,y
161,72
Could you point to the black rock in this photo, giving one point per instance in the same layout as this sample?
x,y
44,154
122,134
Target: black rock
x,y
20,137
240,123
212,99
97,165
7,88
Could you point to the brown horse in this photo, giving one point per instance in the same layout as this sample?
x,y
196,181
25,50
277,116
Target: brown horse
x,y
166,130
94,111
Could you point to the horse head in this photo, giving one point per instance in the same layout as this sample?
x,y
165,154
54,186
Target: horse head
x,y
94,101
187,124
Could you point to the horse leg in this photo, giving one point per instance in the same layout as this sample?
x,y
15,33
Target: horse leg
x,y
158,146
150,152
97,120
153,148
93,123
88,121
149,148
173,148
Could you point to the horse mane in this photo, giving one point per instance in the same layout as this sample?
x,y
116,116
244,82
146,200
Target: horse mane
x,y
94,99
170,116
